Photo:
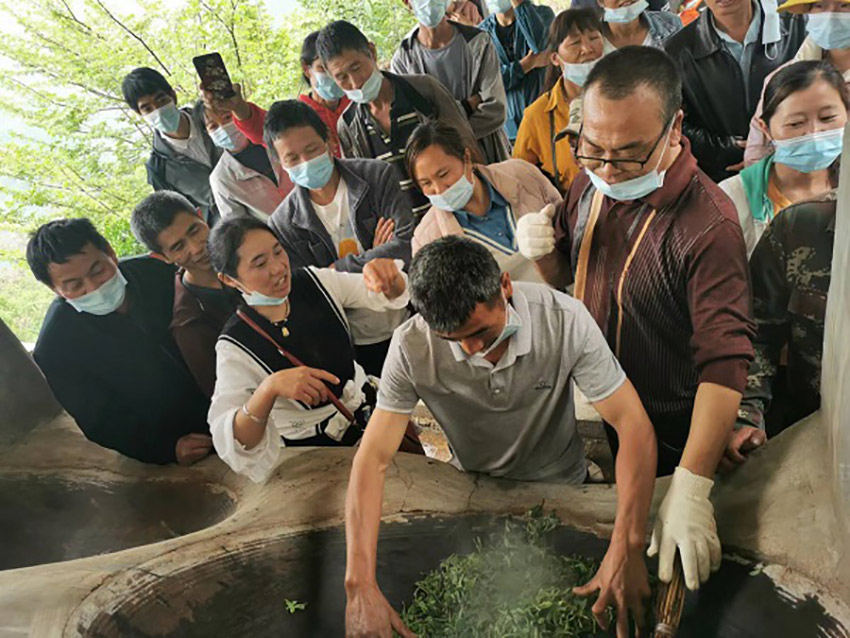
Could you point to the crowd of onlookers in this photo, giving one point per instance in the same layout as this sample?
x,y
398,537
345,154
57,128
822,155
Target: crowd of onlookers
x,y
520,201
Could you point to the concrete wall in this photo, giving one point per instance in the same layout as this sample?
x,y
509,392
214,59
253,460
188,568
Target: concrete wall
x,y
25,398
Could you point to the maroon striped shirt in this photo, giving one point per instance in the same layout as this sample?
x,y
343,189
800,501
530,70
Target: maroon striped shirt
x,y
685,312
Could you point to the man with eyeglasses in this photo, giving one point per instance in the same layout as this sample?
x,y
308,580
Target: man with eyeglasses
x,y
655,252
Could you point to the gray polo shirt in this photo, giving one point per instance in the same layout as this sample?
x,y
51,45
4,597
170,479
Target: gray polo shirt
x,y
515,419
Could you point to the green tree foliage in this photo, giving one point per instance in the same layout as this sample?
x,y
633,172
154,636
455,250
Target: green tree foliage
x,y
86,151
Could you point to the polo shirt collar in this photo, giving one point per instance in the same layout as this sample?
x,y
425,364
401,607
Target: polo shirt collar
x,y
495,200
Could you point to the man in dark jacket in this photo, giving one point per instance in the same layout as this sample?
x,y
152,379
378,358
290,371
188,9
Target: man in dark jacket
x,y
724,56
106,349
172,229
183,155
387,107
342,214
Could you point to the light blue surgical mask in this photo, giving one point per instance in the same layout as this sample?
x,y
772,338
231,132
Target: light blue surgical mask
x,y
577,73
314,173
455,197
429,13
370,89
830,30
499,6
633,188
229,138
812,152
326,87
512,324
624,15
108,298
166,119
259,299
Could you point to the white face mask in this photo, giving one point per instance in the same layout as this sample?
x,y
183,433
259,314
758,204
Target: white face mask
x,y
636,187
577,73
369,91
104,300
512,325
259,299
166,119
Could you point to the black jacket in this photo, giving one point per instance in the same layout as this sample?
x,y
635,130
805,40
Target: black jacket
x,y
718,104
120,375
169,170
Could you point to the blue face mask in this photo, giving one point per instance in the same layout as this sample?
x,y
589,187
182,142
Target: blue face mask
x,y
499,6
108,298
809,153
633,188
623,15
370,89
455,197
512,324
577,73
429,13
259,299
326,87
166,119
229,138
314,173
830,30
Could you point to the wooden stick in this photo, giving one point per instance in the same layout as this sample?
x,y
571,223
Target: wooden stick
x,y
669,603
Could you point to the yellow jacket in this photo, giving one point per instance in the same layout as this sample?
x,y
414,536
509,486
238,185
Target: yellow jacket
x,y
534,138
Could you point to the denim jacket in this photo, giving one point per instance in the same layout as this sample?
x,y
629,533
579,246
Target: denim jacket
x,y
661,26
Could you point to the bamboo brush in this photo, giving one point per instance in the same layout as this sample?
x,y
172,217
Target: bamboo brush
x,y
669,603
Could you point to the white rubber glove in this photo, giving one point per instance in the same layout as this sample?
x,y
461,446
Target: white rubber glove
x,y
535,234
686,520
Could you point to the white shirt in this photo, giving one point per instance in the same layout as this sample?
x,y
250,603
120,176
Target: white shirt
x,y
336,218
239,374
240,191
193,146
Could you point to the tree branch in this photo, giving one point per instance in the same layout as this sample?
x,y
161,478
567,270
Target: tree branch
x,y
133,34
229,27
43,96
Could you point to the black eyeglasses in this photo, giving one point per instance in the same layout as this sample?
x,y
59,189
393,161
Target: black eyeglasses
x,y
625,165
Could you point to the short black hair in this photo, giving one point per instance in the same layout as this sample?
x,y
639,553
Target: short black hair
x,y
621,72
309,54
155,213
798,76
437,133
338,37
225,240
141,82
57,241
449,277
287,114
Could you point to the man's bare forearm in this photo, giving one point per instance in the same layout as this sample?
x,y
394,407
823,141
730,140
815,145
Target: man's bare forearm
x,y
636,465
715,411
365,495
363,504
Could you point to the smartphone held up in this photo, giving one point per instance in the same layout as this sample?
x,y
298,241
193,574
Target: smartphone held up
x,y
214,76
